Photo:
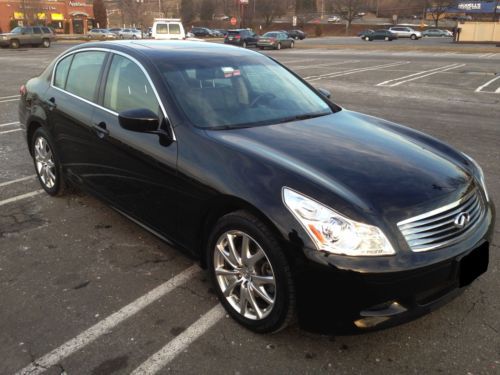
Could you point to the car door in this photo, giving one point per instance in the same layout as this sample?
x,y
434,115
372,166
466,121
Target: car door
x,y
71,102
37,35
26,37
135,171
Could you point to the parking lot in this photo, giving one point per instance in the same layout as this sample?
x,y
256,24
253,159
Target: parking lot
x,y
86,291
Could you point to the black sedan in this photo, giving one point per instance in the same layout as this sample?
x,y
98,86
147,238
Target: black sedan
x,y
296,34
380,35
295,205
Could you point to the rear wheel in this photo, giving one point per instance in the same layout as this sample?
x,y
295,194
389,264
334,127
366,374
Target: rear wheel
x,y
387,38
46,43
14,43
367,38
292,45
413,37
250,273
47,165
278,46
244,45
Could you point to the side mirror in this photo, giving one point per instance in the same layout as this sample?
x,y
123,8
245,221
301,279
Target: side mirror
x,y
139,120
327,94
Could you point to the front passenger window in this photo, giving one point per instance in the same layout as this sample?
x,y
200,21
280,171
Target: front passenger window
x,y
128,88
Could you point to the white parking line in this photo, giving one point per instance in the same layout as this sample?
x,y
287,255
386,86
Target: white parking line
x,y
487,55
415,76
10,131
8,100
104,326
21,197
353,71
9,97
17,180
300,67
9,123
166,354
480,88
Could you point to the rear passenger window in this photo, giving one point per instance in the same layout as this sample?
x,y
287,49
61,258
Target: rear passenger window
x,y
84,74
174,28
128,88
62,72
37,30
46,30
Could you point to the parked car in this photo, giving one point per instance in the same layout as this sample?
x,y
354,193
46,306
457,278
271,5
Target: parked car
x,y
437,33
101,34
406,32
334,19
116,30
366,32
276,40
297,34
241,37
202,32
168,29
292,202
130,34
29,35
380,35
219,33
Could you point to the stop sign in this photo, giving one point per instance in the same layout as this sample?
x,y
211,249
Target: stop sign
x,y
234,21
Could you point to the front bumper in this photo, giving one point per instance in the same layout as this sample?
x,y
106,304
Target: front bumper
x,y
339,296
4,42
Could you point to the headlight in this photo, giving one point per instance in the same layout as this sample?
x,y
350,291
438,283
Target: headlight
x,y
333,232
481,178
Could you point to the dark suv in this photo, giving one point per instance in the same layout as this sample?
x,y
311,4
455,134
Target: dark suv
x,y
29,35
241,37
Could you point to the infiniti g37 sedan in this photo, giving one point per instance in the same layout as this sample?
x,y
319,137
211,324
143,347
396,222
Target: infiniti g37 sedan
x,y
296,206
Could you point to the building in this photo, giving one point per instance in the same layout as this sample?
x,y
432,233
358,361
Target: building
x,y
64,16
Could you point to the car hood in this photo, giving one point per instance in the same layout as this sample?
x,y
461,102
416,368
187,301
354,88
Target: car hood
x,y
377,166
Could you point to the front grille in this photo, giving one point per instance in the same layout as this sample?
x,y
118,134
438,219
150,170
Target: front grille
x,y
439,228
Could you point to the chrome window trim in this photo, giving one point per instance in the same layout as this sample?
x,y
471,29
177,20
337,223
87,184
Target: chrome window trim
x,y
62,56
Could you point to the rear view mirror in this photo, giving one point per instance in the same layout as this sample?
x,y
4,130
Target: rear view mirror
x,y
327,94
139,120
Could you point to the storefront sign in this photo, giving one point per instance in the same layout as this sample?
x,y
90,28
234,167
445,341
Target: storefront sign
x,y
76,4
469,6
57,17
18,15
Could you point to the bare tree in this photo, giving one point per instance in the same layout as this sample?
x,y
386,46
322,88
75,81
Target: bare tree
x,y
100,13
270,9
439,8
348,10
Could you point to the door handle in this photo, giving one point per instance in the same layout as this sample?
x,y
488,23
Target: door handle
x,y
101,129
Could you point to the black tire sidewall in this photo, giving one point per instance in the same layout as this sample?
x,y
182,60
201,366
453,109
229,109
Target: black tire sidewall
x,y
284,303
58,187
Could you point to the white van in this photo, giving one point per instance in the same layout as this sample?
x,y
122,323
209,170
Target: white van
x,y
168,28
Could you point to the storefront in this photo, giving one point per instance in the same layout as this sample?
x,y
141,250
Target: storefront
x,y
64,16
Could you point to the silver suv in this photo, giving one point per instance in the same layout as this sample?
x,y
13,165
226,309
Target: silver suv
x,y
29,35
405,32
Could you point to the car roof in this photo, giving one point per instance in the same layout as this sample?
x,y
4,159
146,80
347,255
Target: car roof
x,y
162,48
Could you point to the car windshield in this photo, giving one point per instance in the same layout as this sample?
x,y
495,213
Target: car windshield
x,y
17,30
271,35
234,91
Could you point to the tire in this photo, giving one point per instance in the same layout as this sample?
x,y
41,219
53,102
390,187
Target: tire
x,y
387,38
244,45
296,38
14,43
269,303
413,37
134,37
47,164
292,45
278,46
46,43
367,38
261,48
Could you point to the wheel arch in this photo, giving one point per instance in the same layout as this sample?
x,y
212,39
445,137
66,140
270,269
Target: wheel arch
x,y
223,205
31,127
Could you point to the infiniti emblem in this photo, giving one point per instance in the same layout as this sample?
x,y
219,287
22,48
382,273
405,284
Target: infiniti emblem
x,y
461,220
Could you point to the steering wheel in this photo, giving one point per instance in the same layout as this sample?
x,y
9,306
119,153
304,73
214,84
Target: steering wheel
x,y
260,97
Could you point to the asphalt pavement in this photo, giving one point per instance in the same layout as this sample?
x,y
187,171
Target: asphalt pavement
x,y
84,290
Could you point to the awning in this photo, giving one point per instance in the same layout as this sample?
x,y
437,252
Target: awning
x,y
78,13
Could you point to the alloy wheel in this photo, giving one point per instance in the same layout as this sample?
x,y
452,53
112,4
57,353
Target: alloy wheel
x,y
44,161
244,275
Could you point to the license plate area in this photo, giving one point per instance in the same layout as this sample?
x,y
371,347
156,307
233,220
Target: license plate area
x,y
474,264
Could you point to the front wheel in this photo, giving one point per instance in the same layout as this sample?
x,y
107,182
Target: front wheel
x,y
278,46
413,37
292,45
387,38
47,165
250,273
244,45
46,43
14,43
